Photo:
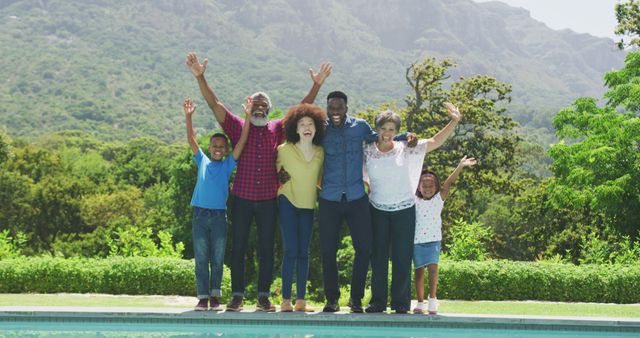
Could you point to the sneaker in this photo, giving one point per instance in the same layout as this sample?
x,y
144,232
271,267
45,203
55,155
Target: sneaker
x,y
419,309
236,304
432,306
301,305
373,309
355,305
286,306
265,305
214,304
202,305
331,306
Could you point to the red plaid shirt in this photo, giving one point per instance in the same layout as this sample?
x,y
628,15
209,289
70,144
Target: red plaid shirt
x,y
256,178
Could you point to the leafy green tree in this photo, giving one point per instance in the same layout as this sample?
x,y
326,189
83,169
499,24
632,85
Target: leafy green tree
x,y
597,164
485,132
5,147
628,16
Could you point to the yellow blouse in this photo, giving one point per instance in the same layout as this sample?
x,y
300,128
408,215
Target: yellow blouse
x,y
300,190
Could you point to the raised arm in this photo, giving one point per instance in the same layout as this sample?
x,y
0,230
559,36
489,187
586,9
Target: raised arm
x,y
446,186
189,109
237,150
318,79
197,69
438,139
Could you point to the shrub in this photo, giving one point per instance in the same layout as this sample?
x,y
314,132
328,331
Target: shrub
x,y
115,275
469,241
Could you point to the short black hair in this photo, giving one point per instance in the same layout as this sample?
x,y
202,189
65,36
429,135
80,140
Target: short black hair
x,y
337,94
220,135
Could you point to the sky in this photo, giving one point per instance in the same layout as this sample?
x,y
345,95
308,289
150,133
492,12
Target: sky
x,y
595,17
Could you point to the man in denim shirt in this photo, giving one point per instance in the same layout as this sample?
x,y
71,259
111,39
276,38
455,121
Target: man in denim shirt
x,y
343,197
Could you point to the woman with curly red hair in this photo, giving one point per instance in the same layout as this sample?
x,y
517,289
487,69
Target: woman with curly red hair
x,y
301,156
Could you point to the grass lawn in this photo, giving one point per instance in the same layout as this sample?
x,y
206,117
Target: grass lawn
x,y
446,306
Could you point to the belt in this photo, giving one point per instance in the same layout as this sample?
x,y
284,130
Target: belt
x,y
197,211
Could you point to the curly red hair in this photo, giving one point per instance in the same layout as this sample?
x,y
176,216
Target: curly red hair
x,y
295,113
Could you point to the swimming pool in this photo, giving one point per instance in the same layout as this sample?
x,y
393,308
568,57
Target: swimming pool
x,y
190,324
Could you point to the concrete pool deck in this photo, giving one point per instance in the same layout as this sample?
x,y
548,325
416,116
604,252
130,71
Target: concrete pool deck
x,y
341,319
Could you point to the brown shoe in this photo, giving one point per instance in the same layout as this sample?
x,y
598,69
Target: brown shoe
x,y
265,305
301,305
236,304
203,305
286,306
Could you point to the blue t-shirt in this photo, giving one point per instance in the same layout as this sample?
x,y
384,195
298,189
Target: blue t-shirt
x,y
212,186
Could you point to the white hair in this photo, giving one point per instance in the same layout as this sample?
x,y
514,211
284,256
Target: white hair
x,y
263,95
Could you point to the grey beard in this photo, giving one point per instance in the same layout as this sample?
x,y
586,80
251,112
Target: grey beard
x,y
259,121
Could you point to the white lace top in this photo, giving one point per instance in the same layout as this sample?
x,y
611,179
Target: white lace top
x,y
394,175
428,220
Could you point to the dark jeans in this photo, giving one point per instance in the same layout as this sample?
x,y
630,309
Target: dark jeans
x,y
243,213
358,219
209,231
296,225
395,229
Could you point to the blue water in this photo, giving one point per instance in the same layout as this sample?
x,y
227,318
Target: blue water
x,y
78,329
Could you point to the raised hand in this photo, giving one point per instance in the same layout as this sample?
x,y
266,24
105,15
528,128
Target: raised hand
x,y
467,162
453,111
248,107
189,107
319,77
194,65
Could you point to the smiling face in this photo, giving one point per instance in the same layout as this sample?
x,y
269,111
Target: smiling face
x,y
306,129
337,111
387,132
260,111
218,148
428,186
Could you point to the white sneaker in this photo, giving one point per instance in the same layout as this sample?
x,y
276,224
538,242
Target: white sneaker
x,y
419,309
432,306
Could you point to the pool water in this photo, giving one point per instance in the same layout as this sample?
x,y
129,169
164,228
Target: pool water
x,y
93,329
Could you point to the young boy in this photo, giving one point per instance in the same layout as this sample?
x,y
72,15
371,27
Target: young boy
x,y
209,225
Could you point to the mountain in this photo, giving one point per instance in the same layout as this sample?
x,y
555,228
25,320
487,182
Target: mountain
x,y
116,68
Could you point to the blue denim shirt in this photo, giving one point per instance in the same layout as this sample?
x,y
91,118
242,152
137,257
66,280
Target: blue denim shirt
x,y
343,152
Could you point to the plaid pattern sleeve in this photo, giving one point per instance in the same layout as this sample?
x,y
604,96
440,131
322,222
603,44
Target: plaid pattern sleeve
x,y
232,126
256,177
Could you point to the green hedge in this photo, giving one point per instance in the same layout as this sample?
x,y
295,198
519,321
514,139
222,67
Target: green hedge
x,y
469,280
508,280
118,275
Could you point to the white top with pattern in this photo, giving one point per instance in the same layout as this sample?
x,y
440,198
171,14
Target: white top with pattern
x,y
394,175
428,220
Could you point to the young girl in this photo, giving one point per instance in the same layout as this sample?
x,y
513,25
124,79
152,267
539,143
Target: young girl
x,y
426,251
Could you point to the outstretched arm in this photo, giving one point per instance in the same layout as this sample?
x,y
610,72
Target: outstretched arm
x,y
197,69
318,79
189,109
237,150
446,186
438,139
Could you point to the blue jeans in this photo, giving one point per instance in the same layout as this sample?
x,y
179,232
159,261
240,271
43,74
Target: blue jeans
x,y
296,226
209,230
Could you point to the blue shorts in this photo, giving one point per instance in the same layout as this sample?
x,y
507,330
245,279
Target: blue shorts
x,y
425,254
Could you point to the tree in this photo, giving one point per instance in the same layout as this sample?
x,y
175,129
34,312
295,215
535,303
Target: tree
x,y
484,132
628,16
597,164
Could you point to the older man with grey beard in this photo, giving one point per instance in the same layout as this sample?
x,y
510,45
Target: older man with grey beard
x,y
255,185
